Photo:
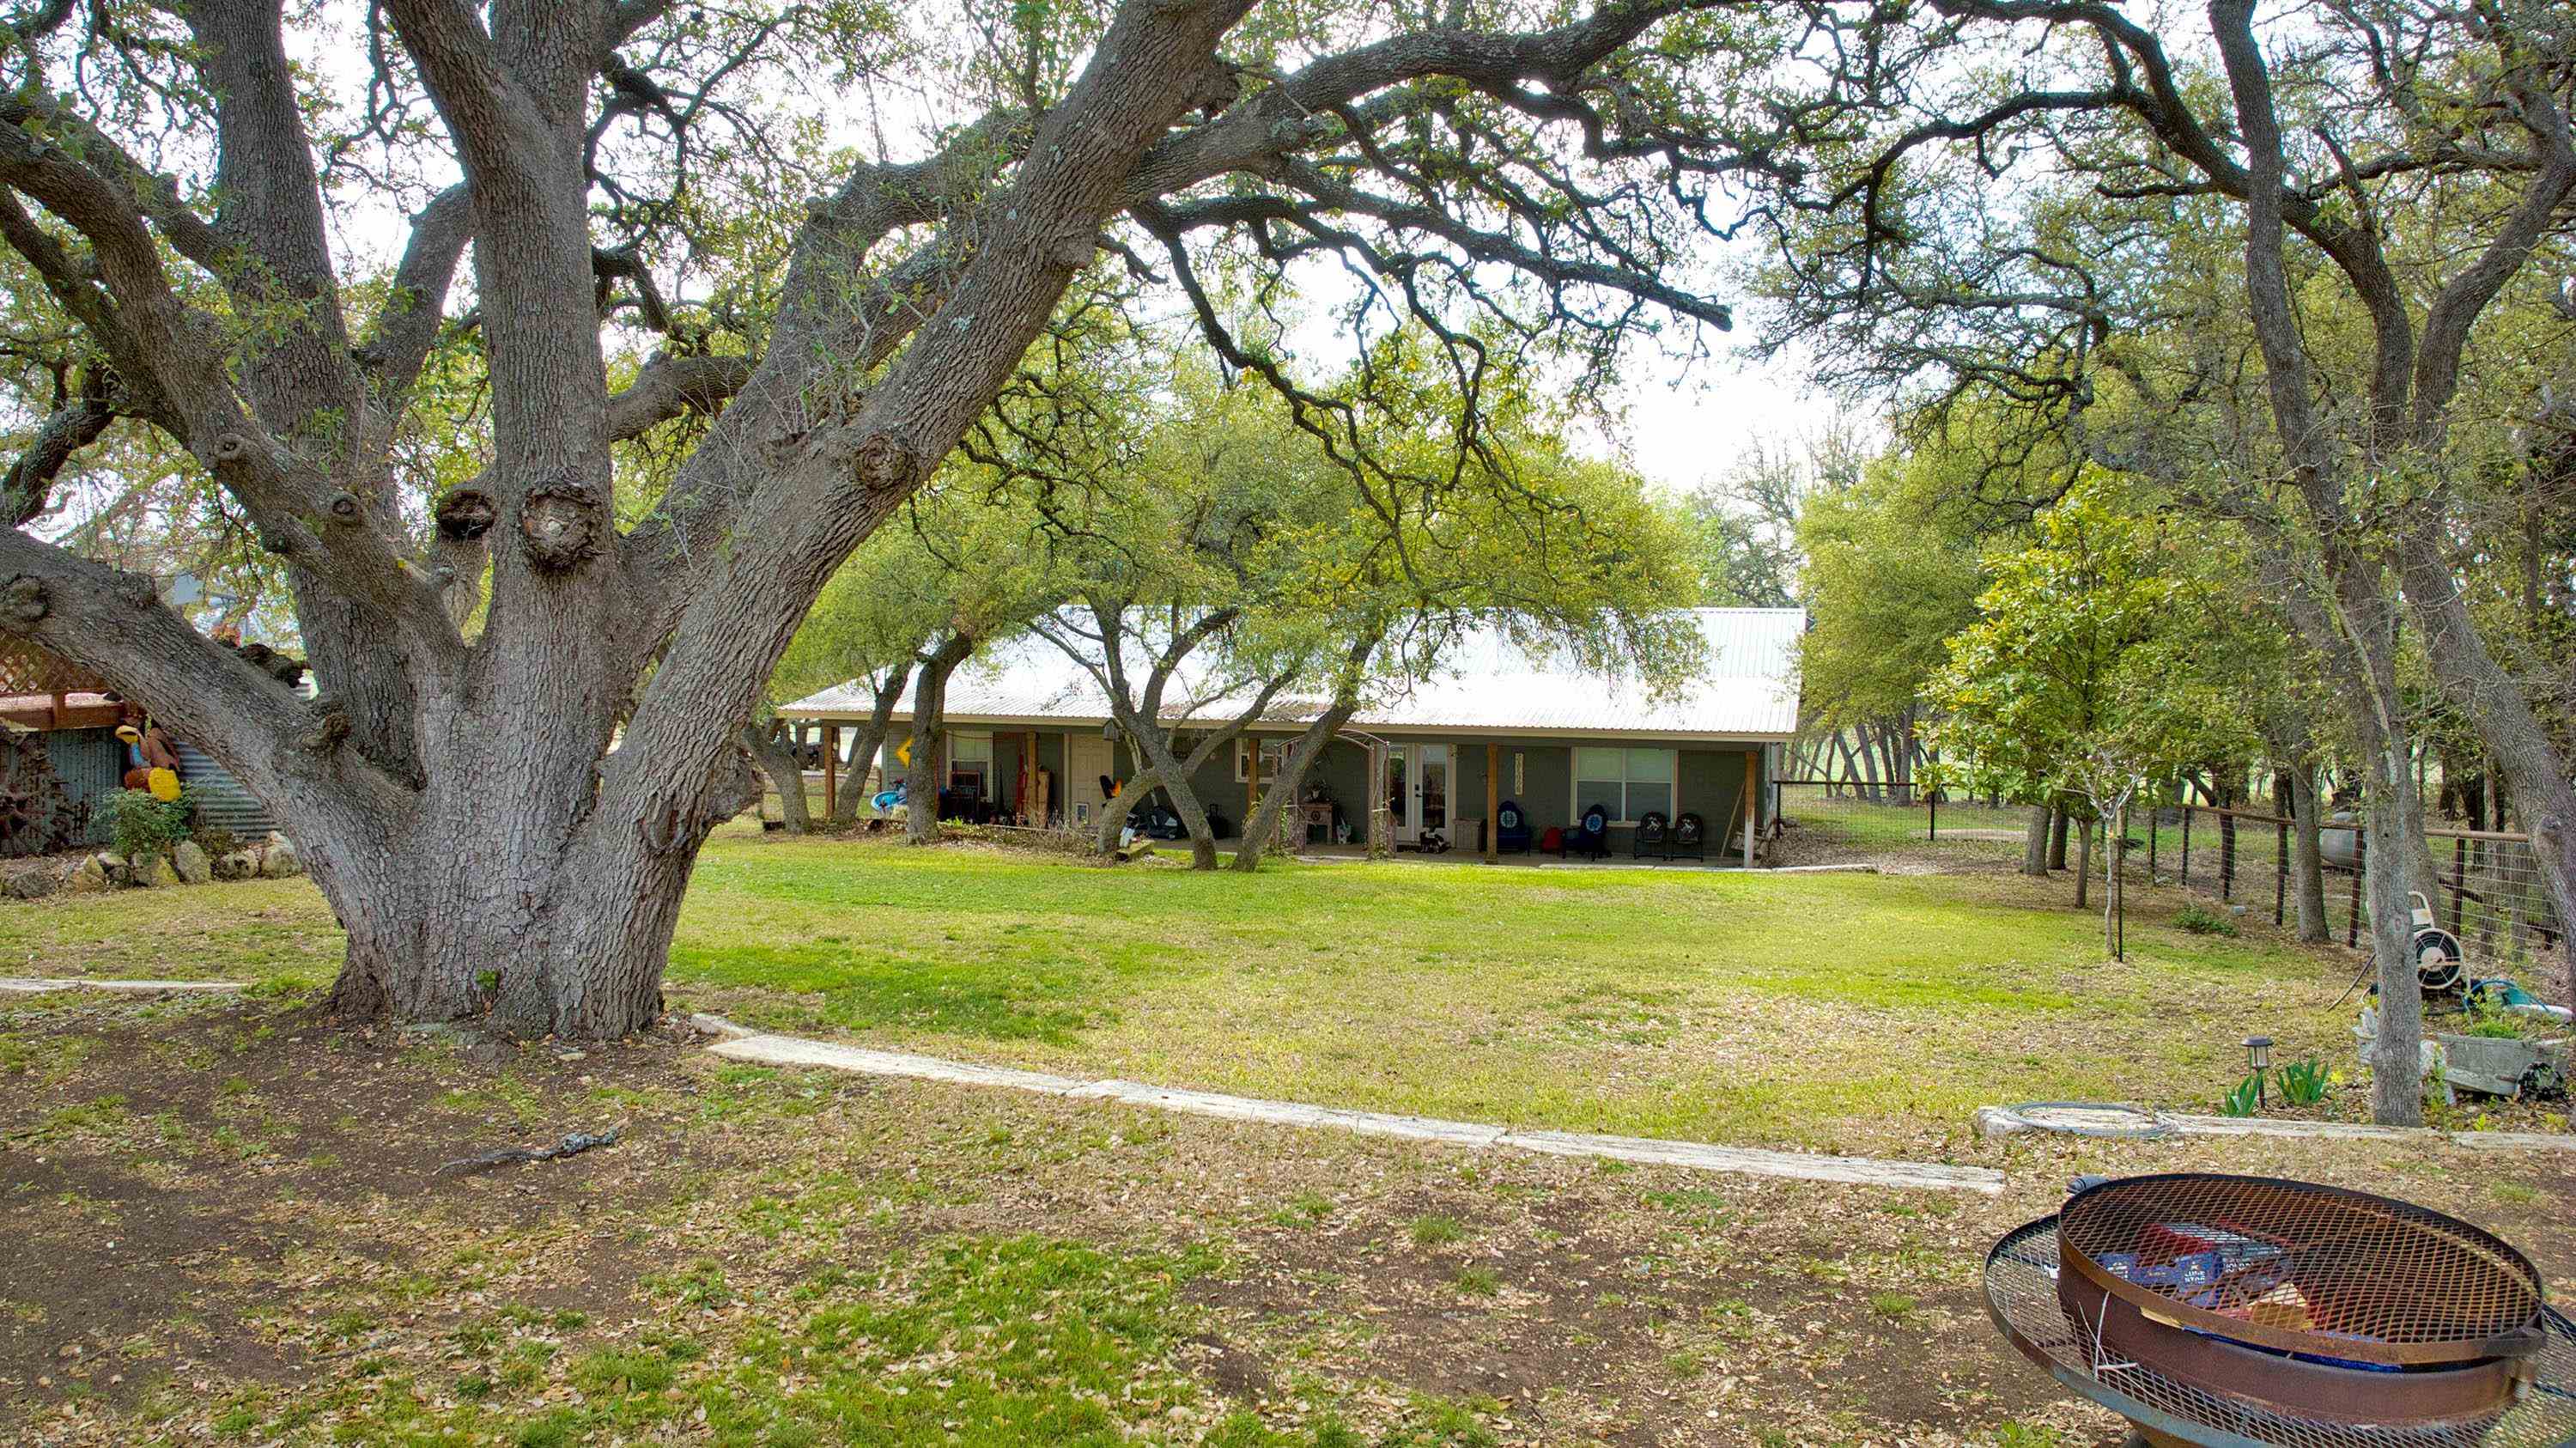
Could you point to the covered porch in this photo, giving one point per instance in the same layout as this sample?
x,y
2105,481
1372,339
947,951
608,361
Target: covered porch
x,y
1499,796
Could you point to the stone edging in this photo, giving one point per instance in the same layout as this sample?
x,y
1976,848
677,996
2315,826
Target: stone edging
x,y
2001,1121
743,1045
37,985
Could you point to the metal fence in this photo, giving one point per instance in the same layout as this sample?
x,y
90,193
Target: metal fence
x,y
1820,820
2487,885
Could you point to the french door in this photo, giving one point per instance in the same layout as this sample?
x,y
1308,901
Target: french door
x,y
1417,783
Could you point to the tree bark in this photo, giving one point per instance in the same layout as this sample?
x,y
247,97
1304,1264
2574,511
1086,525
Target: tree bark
x,y
929,704
2396,1069
870,741
783,761
2034,849
2083,863
2307,856
1291,781
2061,819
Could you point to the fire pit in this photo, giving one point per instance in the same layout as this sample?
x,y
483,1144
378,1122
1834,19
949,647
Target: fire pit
x,y
2233,1310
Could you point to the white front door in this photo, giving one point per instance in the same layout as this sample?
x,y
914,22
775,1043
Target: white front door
x,y
1086,760
1418,782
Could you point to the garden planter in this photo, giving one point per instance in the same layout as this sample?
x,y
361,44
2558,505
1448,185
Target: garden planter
x,y
2503,1065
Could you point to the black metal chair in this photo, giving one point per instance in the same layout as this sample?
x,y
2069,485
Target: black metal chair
x,y
1690,838
1651,838
1511,829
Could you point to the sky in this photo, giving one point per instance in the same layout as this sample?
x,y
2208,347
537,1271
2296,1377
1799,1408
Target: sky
x,y
1688,427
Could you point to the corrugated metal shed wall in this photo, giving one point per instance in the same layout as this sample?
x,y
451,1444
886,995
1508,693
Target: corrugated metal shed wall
x,y
219,800
91,765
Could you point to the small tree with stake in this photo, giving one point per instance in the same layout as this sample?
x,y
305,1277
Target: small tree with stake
x,y
2080,675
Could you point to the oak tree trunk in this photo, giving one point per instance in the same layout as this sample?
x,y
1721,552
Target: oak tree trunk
x,y
2307,855
929,705
1282,795
780,756
869,742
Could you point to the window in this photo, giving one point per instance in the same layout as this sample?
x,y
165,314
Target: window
x,y
1629,782
1274,758
970,764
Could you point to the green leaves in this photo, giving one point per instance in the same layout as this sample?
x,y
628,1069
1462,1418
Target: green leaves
x,y
2085,671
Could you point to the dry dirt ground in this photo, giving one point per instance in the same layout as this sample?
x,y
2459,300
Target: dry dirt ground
x,y
223,1221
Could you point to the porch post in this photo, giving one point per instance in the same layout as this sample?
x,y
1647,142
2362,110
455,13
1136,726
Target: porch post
x,y
831,771
1027,802
1752,808
1493,802
1380,835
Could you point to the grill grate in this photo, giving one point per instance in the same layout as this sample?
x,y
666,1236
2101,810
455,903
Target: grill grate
x,y
2305,1269
2022,1297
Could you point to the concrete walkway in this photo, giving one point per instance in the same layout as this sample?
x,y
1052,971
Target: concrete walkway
x,y
743,1045
38,985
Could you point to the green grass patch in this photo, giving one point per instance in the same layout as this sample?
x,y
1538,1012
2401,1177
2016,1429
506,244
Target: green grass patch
x,y
1848,1012
1437,1231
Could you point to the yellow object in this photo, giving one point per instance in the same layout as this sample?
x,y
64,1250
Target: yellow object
x,y
129,733
903,753
164,785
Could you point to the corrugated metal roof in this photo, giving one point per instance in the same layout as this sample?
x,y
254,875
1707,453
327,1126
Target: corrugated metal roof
x,y
1747,690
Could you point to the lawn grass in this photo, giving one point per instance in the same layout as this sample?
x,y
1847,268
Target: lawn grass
x,y
1849,1011
226,1221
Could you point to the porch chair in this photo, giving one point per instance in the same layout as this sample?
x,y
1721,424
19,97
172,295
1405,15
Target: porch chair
x,y
1591,837
1690,838
1651,838
1511,829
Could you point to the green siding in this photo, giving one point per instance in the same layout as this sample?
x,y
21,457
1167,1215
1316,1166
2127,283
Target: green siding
x,y
1709,779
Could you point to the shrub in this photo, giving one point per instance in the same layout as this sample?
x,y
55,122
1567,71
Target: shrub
x,y
139,824
2201,920
2303,1083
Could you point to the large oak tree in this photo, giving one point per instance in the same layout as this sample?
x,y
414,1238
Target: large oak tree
x,y
534,680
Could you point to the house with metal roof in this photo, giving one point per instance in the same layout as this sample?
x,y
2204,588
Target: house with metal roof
x,y
1026,737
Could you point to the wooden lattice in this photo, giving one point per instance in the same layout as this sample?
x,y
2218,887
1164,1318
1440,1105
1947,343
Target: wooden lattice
x,y
27,669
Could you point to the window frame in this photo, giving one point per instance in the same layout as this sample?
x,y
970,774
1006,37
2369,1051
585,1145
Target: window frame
x,y
1574,777
1243,744
985,771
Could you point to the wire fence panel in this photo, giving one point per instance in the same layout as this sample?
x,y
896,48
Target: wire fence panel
x,y
2487,886
1823,821
2494,898
2488,889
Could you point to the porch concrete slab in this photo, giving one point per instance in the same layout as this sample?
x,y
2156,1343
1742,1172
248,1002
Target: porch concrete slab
x,y
1757,1161
38,985
797,1051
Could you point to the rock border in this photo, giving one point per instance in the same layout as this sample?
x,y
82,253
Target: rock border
x,y
1996,1122
40,985
740,1044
